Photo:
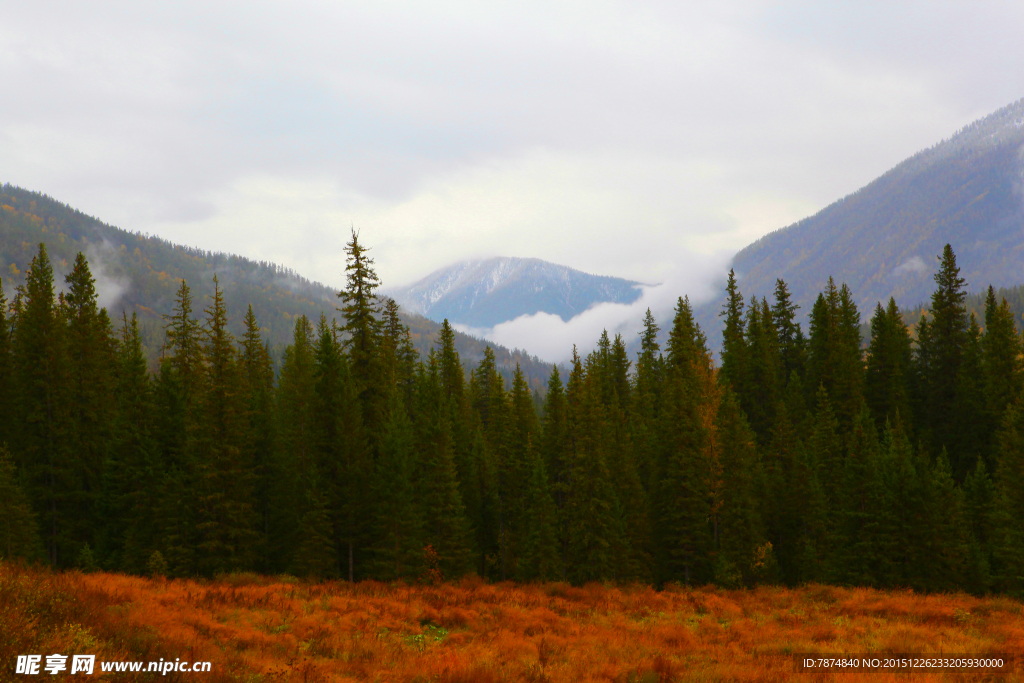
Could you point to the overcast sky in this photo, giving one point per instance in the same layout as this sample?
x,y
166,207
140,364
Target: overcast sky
x,y
625,139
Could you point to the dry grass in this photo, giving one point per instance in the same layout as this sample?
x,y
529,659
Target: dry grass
x,y
271,629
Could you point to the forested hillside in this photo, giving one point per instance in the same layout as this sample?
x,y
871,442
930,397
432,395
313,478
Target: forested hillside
x,y
801,458
882,239
140,274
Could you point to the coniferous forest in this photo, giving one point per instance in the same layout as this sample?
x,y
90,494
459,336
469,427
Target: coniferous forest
x,y
797,457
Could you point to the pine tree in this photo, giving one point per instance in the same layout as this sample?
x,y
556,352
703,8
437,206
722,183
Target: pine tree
x,y
949,543
888,365
1001,362
398,534
295,467
860,503
556,452
400,356
835,359
132,472
90,349
226,521
826,446
342,464
1008,550
904,521
680,508
258,369
362,328
648,381
184,344
445,527
6,372
489,425
43,424
981,519
19,535
590,516
791,340
523,428
540,558
735,514
734,348
941,354
763,391
973,435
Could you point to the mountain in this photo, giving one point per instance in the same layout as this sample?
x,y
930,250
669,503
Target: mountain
x,y
483,293
883,239
141,273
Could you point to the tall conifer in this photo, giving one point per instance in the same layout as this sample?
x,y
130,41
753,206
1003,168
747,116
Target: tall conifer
x,y
41,369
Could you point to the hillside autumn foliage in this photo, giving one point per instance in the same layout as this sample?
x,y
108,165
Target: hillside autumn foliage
x,y
255,628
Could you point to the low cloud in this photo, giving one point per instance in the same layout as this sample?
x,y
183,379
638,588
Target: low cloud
x,y
912,266
551,339
110,287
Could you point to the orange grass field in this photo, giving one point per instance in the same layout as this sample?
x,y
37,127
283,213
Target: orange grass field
x,y
256,628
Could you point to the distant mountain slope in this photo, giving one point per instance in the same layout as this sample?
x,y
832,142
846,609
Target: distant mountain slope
x,y
141,273
483,293
883,239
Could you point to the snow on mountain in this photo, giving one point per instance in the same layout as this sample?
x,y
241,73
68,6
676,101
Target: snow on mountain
x,y
486,292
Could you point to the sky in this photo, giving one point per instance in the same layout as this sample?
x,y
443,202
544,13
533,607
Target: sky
x,y
649,141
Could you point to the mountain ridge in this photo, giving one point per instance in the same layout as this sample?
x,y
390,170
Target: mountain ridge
x,y
147,270
482,293
882,239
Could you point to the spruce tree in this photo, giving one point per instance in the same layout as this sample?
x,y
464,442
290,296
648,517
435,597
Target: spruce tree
x,y
397,551
857,555
343,463
1008,550
648,381
556,452
294,469
736,524
1001,363
540,557
226,520
835,359
90,350
941,355
445,527
400,356
981,520
763,390
43,425
362,330
734,348
19,534
829,460
590,516
132,471
680,508
973,434
259,381
791,340
886,378
6,372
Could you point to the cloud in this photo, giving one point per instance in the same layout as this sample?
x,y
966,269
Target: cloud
x,y
110,287
912,266
551,339
600,135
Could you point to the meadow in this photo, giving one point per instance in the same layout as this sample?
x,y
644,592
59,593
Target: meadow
x,y
255,629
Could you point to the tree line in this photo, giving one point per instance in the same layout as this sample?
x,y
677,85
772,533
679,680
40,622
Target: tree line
x,y
797,458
